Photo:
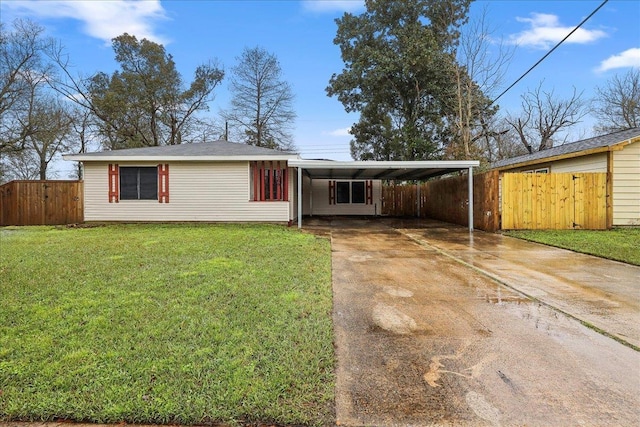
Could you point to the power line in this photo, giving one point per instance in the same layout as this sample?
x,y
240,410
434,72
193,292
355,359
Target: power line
x,y
549,53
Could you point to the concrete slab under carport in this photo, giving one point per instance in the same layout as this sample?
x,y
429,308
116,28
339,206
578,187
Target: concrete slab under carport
x,y
382,170
424,338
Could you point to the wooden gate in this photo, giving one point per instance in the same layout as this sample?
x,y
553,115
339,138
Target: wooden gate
x,y
41,202
557,201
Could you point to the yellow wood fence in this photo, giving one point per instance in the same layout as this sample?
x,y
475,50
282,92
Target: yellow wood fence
x,y
557,201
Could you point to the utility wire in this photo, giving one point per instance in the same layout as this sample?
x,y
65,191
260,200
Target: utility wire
x,y
549,53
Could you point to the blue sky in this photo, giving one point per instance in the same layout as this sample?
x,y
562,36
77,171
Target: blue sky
x,y
300,34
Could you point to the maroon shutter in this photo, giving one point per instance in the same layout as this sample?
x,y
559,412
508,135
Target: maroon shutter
x,y
369,192
332,192
114,183
163,183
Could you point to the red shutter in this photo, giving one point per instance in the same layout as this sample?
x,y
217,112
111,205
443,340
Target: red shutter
x,y
369,192
114,184
332,192
163,183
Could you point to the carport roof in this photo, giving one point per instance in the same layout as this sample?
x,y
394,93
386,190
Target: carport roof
x,y
400,170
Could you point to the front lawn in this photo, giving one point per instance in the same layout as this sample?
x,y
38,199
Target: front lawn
x,y
166,324
621,244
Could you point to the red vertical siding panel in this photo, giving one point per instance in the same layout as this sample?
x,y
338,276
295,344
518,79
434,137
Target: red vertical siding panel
x,y
254,172
279,182
285,180
262,181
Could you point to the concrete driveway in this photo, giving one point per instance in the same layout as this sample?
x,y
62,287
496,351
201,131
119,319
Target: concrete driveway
x,y
434,327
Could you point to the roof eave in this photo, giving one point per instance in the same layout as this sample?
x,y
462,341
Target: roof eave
x,y
613,147
112,158
371,164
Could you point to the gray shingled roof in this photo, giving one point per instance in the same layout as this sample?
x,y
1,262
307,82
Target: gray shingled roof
x,y
573,147
216,148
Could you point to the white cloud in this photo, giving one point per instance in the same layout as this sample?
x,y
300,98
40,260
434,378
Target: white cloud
x,y
333,5
101,19
545,31
628,58
339,132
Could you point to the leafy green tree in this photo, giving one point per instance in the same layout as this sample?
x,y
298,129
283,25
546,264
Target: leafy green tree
x,y
145,103
262,102
399,60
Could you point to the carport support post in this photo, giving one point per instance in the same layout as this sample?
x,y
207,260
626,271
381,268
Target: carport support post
x,y
470,199
299,197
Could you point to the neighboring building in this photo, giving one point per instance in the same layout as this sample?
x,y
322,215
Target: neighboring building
x,y
617,154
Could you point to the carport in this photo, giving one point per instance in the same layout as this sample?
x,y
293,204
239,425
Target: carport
x,y
381,170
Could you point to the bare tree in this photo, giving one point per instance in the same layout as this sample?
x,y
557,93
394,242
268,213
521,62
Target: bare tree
x,y
545,116
617,104
83,131
22,59
479,69
262,102
52,125
22,165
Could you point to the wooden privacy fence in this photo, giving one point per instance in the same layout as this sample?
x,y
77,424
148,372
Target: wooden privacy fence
x,y
557,201
447,200
41,203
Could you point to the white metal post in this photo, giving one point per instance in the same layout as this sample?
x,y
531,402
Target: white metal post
x,y
310,196
299,197
471,199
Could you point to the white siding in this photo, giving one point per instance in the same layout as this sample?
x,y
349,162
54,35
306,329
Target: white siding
x,y
316,201
212,191
591,163
626,185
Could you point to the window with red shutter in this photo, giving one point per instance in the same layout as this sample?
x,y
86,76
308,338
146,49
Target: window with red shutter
x,y
269,181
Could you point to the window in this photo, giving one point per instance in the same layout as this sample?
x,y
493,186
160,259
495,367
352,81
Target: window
x,y
342,192
269,181
354,192
543,170
357,192
139,183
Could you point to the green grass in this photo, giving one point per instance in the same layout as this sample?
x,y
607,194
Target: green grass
x,y
166,324
621,244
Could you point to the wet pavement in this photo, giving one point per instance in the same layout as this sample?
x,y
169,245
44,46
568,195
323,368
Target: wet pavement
x,y
425,335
